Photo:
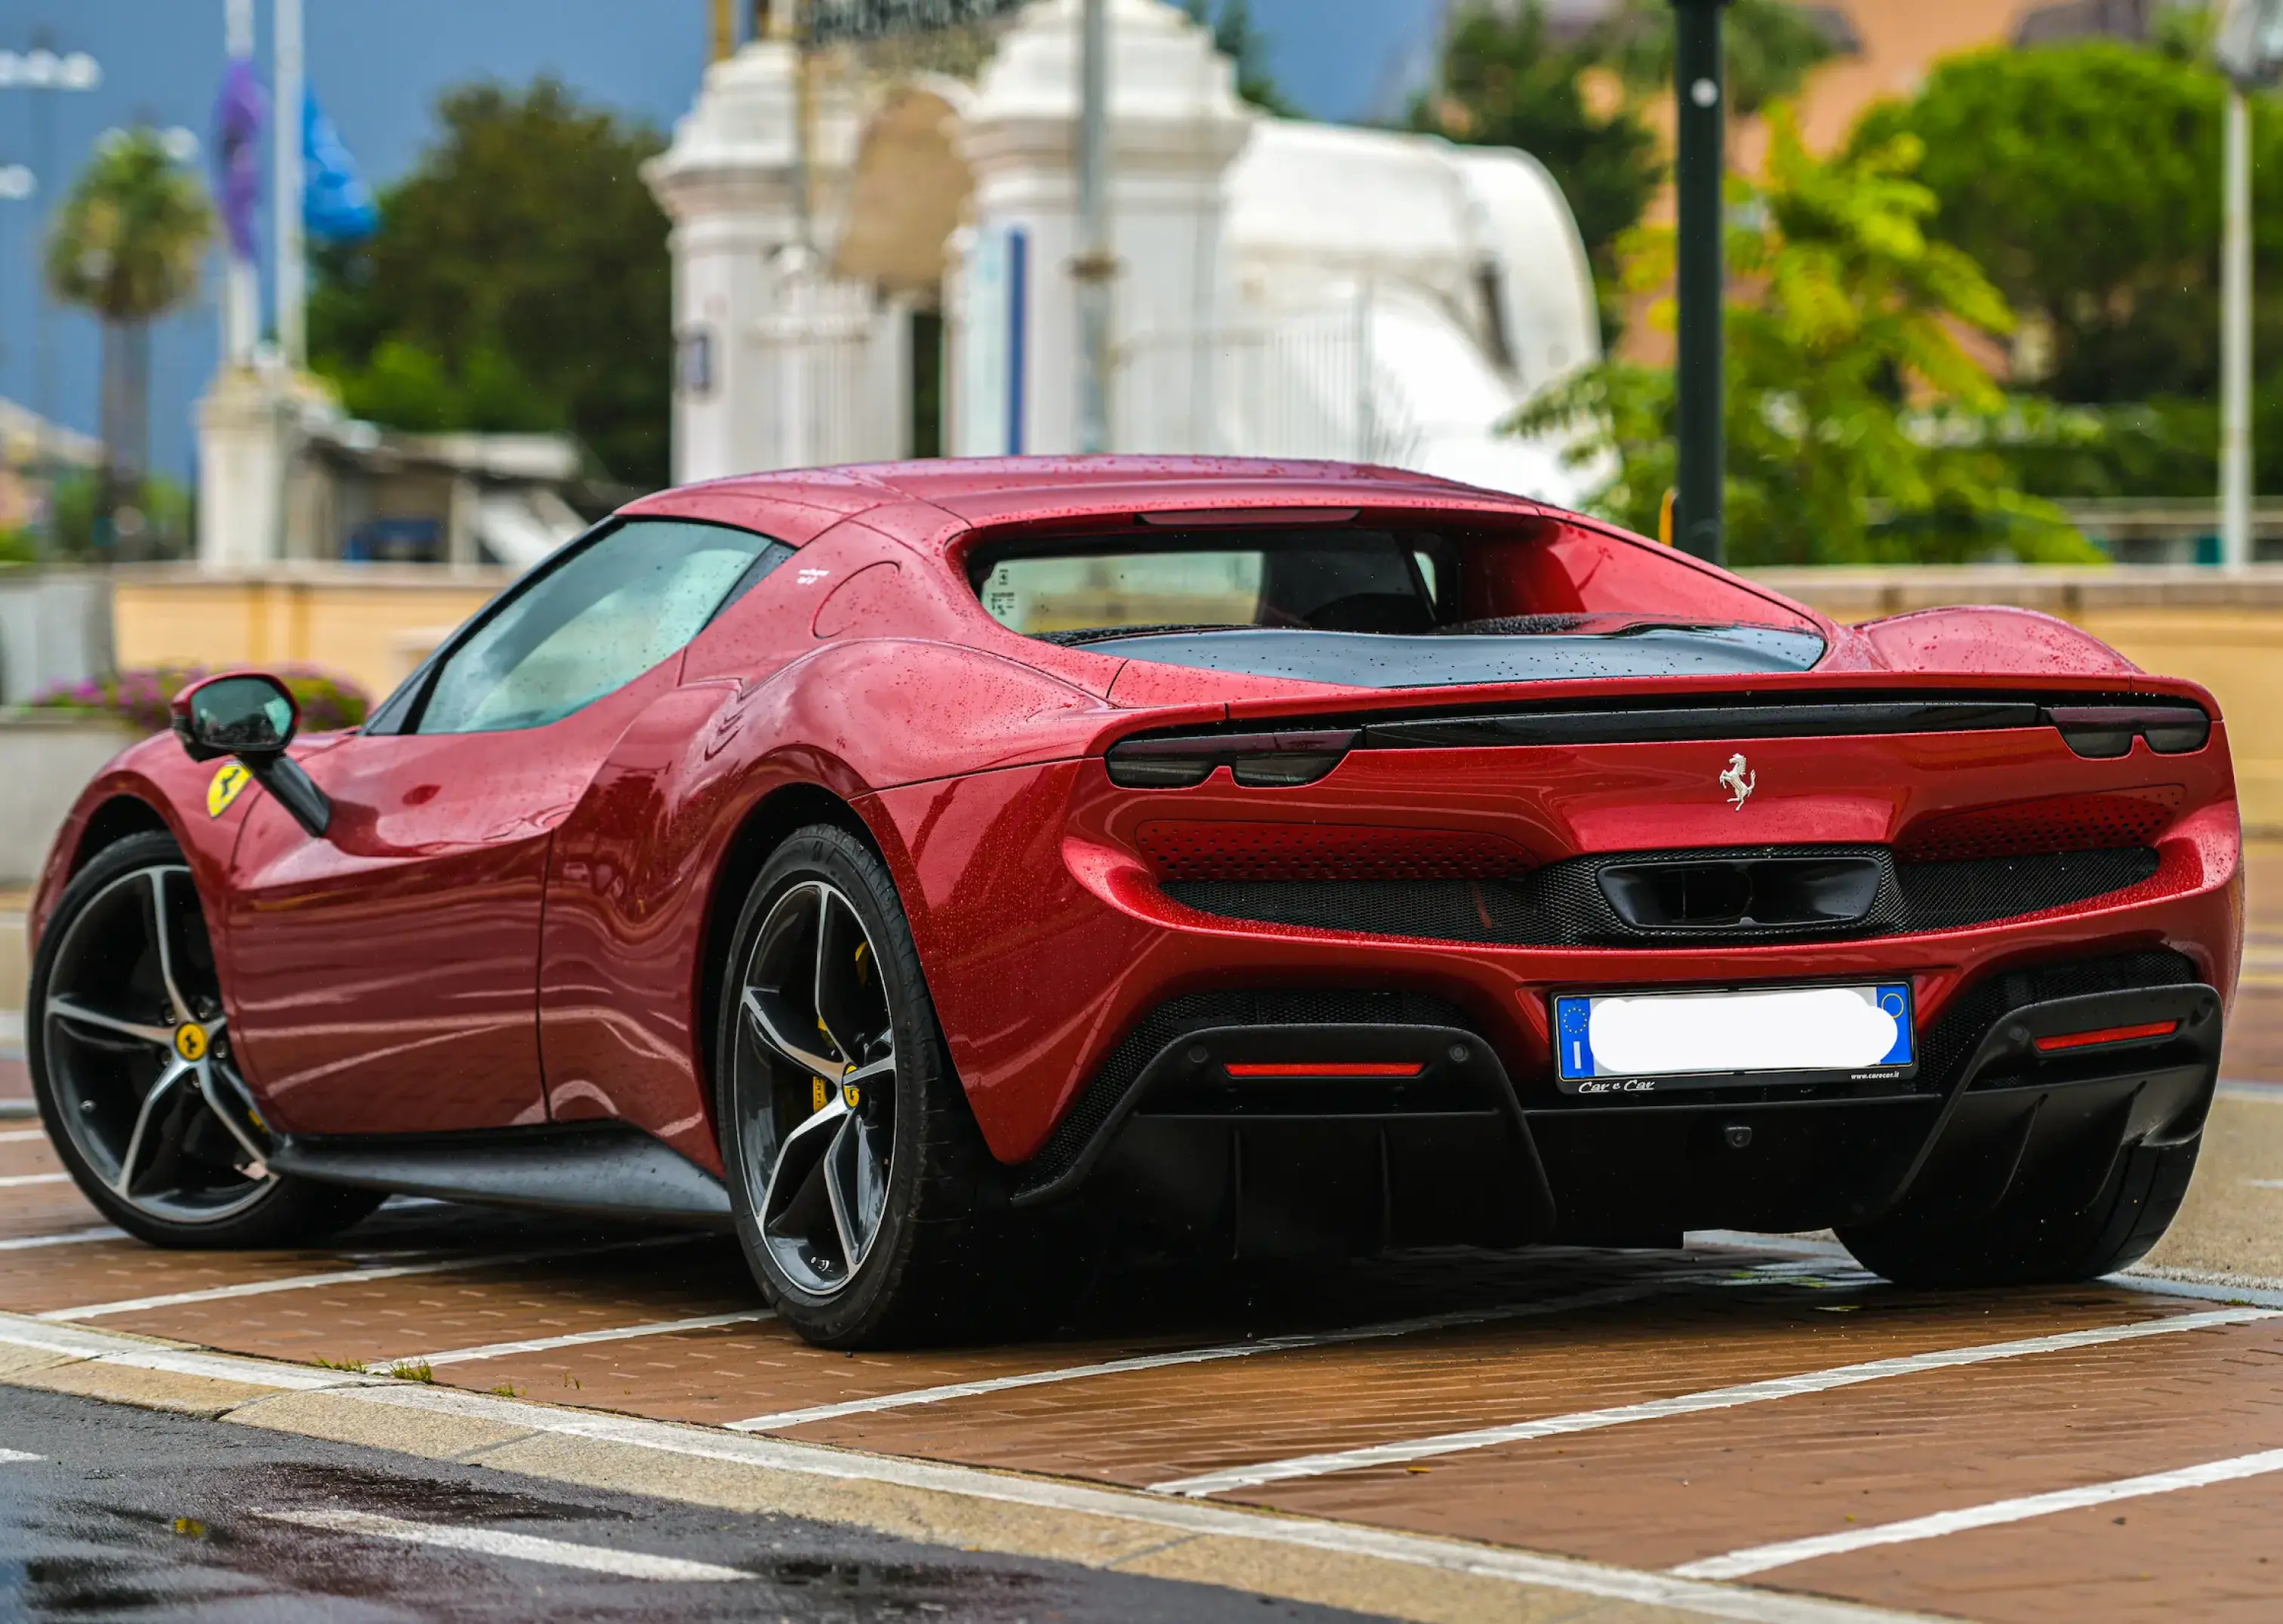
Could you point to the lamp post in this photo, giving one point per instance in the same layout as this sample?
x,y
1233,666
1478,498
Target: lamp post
x,y
2247,45
1701,132
42,71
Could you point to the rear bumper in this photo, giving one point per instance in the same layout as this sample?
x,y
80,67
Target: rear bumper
x,y
1366,1137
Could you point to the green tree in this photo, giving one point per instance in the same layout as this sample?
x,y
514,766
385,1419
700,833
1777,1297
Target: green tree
x,y
1770,47
127,246
1236,37
519,280
1505,83
1859,428
2086,179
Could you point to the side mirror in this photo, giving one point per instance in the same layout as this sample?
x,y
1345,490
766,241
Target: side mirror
x,y
252,716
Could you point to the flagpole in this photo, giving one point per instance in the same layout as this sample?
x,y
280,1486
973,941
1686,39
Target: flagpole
x,y
293,270
241,310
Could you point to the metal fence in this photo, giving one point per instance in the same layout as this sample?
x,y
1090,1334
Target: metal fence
x,y
1306,387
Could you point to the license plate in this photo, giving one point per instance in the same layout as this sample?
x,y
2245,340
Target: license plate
x,y
1641,1043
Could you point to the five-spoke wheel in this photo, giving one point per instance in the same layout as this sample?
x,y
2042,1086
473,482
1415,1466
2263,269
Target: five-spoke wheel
x,y
856,1171
821,1095
131,1059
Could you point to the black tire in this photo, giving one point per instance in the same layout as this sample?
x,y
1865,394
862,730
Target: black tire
x,y
2046,1233
170,1170
934,1257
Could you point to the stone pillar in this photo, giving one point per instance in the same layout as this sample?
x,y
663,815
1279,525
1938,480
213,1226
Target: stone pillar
x,y
245,421
730,184
1175,126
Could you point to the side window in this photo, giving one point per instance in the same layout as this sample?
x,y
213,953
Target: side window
x,y
594,623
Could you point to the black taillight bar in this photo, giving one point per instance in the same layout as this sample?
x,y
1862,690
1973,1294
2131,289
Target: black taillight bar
x,y
2108,730
1258,760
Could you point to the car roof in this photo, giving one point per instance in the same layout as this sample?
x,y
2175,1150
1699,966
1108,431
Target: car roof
x,y
1022,489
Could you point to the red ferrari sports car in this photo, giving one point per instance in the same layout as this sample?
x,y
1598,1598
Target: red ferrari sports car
x,y
930,869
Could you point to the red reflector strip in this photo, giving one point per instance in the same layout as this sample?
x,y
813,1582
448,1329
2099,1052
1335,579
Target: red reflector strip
x,y
2107,1035
1330,1068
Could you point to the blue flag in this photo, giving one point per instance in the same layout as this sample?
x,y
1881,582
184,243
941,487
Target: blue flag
x,y
336,204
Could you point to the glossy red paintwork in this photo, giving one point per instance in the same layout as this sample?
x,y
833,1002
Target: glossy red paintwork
x,y
508,926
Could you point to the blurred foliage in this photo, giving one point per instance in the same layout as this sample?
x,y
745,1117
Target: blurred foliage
x,y
131,237
153,523
1860,429
128,246
1505,83
140,696
519,281
1768,47
2085,177
1237,37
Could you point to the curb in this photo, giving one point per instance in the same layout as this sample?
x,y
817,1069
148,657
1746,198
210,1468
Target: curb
x,y
1424,1579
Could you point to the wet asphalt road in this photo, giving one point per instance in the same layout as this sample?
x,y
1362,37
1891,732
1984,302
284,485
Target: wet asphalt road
x,y
128,1514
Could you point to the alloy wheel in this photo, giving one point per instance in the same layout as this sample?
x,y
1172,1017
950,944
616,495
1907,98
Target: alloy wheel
x,y
816,1087
136,1054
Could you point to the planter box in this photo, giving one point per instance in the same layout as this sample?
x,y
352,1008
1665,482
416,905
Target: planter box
x,y
46,758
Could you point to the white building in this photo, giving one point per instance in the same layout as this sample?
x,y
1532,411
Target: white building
x,y
1283,288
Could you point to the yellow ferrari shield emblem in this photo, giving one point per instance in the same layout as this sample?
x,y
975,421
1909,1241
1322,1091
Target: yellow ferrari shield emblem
x,y
228,779
191,1041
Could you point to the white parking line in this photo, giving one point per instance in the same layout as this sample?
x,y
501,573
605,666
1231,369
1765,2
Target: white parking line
x,y
16,1180
27,1243
344,1276
1404,1451
1009,1495
23,1136
2266,1183
1760,1558
10,1457
523,1547
916,1397
580,1338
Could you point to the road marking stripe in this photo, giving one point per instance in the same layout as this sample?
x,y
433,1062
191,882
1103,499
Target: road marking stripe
x,y
10,1457
580,1338
1458,1319
2257,1093
343,1277
1401,1452
23,1136
523,1547
1182,1518
1760,1558
26,1243
16,1180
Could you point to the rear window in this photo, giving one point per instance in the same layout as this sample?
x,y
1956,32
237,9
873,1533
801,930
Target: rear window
x,y
1553,579
1329,581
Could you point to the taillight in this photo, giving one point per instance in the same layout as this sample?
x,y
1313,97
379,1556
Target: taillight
x,y
2107,1035
1258,760
2108,730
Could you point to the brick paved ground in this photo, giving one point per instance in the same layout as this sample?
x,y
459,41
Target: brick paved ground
x,y
1648,1494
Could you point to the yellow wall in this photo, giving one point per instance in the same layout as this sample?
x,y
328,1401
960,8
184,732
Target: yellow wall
x,y
372,623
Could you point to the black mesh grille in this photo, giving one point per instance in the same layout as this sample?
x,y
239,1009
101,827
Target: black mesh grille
x,y
1951,1042
1945,896
1562,904
1197,1012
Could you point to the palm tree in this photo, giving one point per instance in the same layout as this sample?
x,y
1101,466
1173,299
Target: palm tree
x,y
1772,46
127,246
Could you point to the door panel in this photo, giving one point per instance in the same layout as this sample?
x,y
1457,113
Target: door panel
x,y
384,978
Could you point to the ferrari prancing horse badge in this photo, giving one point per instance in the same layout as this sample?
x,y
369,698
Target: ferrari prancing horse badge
x,y
228,779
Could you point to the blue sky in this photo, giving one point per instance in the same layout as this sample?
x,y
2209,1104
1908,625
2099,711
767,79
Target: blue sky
x,y
378,69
